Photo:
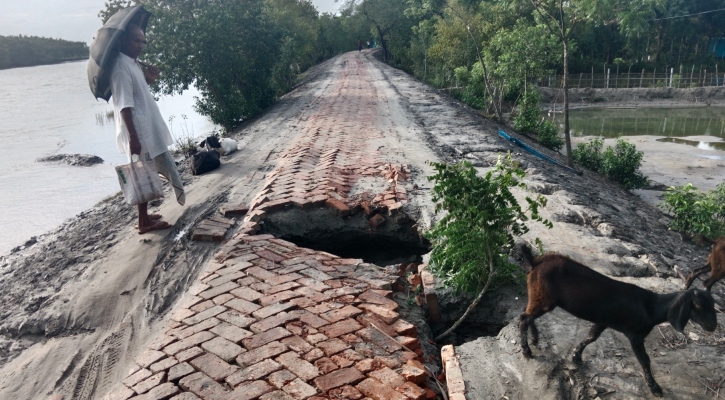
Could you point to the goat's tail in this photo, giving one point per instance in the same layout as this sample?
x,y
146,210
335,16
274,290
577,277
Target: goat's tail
x,y
528,255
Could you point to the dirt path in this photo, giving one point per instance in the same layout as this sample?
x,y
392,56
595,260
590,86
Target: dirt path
x,y
84,302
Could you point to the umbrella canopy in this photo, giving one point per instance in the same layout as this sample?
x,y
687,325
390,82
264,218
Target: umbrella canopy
x,y
104,48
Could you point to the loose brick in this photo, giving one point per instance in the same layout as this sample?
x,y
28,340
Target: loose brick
x,y
164,364
388,316
333,346
326,365
316,274
246,293
454,377
374,336
191,341
161,392
179,371
314,284
193,320
340,328
346,358
297,344
213,366
280,279
201,326
226,278
267,351
372,321
277,395
404,328
410,343
149,357
263,338
341,208
278,297
313,355
374,297
309,318
281,378
137,377
347,376
346,392
230,332
149,383
222,348
365,365
379,391
185,396
250,390
298,366
243,306
412,391
272,309
254,372
387,376
299,390
282,287
412,372
189,354
236,319
216,291
341,313
223,298
261,273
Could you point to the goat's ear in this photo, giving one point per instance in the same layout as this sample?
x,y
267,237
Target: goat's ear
x,y
679,312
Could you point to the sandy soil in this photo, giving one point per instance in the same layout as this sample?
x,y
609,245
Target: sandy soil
x,y
82,301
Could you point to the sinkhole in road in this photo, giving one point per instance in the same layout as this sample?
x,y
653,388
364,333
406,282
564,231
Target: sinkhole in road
x,y
393,241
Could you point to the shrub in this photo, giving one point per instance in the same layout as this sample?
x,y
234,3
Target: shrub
x,y
589,154
696,212
529,122
549,136
620,163
472,241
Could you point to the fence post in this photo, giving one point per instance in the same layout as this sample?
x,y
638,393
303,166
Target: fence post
x,y
641,78
578,86
592,77
607,87
672,73
654,78
704,78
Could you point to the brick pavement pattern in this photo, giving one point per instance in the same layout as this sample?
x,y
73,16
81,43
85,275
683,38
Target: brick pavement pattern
x,y
267,319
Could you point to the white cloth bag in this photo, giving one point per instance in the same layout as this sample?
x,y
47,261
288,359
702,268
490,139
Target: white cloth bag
x,y
139,182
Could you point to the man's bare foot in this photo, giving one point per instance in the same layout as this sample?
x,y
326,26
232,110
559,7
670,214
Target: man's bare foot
x,y
155,226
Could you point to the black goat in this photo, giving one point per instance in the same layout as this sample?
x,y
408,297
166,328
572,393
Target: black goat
x,y
556,280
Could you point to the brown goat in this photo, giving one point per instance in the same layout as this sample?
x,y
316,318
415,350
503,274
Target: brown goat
x,y
715,264
558,281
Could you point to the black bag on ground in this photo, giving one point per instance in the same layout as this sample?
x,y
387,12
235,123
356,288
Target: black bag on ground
x,y
205,161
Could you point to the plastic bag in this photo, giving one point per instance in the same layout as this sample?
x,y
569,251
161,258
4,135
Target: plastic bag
x,y
139,182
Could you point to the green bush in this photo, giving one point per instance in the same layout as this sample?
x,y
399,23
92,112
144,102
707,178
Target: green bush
x,y
589,154
473,239
529,122
696,212
620,163
549,136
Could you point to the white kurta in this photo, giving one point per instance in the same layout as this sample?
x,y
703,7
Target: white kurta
x,y
130,90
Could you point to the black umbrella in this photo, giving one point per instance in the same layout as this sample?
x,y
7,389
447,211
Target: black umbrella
x,y
104,48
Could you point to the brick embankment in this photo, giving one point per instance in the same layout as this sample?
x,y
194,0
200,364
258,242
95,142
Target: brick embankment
x,y
267,319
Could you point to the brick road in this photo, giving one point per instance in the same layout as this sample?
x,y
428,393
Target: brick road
x,y
269,320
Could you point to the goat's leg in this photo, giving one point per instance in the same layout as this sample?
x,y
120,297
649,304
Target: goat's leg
x,y
534,333
594,334
694,274
639,351
525,320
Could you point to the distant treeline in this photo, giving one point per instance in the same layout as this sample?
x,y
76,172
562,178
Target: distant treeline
x,y
25,51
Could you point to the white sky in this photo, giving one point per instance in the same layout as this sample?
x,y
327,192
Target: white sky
x,y
75,20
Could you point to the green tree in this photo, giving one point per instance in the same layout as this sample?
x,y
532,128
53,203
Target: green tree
x,y
471,242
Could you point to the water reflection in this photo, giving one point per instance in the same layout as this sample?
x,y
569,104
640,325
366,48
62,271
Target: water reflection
x,y
696,143
611,123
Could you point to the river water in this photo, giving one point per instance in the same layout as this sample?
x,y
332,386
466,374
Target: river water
x,y
47,110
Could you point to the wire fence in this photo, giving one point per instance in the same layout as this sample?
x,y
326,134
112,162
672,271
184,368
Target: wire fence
x,y
654,79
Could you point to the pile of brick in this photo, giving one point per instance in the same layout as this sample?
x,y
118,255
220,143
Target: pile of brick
x,y
270,320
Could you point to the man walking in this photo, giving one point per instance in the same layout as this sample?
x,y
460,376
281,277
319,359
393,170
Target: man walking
x,y
140,128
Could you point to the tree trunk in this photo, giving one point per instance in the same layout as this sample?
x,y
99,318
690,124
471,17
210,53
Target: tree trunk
x,y
565,84
475,302
499,114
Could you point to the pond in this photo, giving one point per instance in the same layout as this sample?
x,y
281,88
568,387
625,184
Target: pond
x,y
672,123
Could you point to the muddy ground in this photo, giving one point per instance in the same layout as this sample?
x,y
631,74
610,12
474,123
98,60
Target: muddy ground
x,y
80,302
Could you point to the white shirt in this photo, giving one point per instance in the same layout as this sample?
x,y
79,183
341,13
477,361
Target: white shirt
x,y
130,90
